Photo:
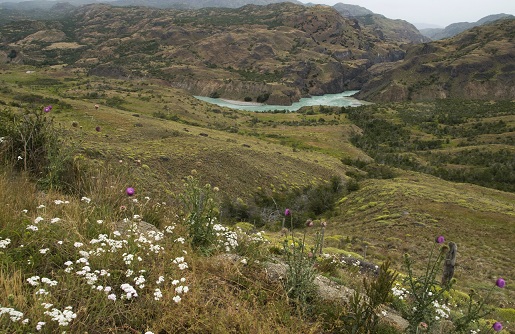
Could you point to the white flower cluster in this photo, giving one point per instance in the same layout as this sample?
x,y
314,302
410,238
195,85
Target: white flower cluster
x,y
62,317
13,314
128,258
4,242
48,281
179,290
226,238
113,244
34,281
140,281
179,261
442,310
169,229
158,294
399,292
85,199
129,291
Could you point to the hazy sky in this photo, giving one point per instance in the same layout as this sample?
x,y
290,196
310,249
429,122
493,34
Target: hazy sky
x,y
440,12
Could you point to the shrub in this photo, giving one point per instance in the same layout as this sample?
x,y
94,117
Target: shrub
x,y
300,277
31,143
365,308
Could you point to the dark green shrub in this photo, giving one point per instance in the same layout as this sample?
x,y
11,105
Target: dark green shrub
x,y
32,144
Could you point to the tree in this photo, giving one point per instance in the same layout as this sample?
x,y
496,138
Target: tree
x,y
12,55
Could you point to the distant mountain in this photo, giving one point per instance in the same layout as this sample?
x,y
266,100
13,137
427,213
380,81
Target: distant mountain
x,y
14,10
36,10
422,25
456,28
352,10
196,4
382,27
476,64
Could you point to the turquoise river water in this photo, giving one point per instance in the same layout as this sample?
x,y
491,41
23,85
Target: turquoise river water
x,y
332,100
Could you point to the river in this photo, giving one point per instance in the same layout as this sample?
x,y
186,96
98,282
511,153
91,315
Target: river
x,y
332,100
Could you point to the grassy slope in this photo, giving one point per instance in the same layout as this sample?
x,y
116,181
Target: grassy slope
x,y
402,215
390,216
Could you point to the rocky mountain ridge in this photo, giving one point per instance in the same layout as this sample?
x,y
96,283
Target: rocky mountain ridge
x,y
278,52
476,64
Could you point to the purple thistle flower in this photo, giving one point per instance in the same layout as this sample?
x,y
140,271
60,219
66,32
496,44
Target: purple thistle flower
x,y
287,212
97,128
47,109
440,240
497,326
130,191
500,283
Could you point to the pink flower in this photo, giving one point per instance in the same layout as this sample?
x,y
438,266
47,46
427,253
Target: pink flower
x,y
287,212
130,191
500,283
440,240
497,326
47,109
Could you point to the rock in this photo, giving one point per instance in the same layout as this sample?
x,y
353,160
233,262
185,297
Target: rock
x,y
327,290
395,321
130,227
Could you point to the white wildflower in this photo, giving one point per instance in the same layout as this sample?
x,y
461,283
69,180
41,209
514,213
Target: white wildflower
x,y
4,242
14,315
34,280
40,325
158,294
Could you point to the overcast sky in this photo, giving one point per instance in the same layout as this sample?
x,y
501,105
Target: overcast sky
x,y
439,12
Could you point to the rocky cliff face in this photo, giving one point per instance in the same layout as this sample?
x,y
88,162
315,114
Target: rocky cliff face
x,y
383,28
284,50
477,64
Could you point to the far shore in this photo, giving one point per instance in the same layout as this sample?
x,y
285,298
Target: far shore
x,y
242,103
